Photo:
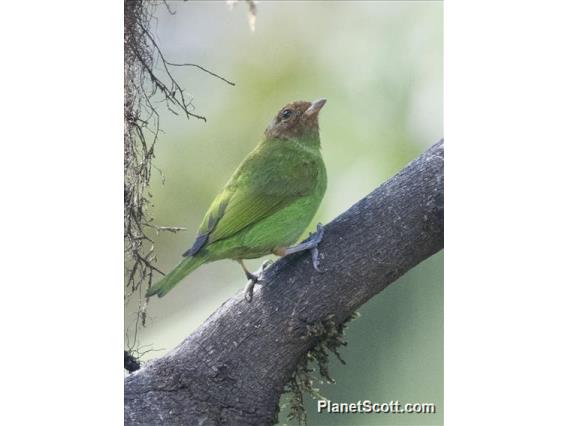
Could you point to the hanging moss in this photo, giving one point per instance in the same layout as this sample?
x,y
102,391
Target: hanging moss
x,y
313,367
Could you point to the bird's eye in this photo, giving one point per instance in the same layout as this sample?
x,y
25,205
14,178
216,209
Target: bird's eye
x,y
286,114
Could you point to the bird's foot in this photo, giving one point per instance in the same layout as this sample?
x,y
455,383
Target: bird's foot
x,y
254,279
310,244
316,238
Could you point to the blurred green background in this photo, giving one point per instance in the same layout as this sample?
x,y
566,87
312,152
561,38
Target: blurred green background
x,y
379,64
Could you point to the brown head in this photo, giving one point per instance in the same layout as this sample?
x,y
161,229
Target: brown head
x,y
297,120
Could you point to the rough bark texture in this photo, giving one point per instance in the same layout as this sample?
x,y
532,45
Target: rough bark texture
x,y
232,369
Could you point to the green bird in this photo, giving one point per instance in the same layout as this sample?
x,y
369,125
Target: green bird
x,y
267,203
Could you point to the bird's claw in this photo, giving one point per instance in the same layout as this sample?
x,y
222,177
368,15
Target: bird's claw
x,y
249,288
315,239
317,236
255,279
315,259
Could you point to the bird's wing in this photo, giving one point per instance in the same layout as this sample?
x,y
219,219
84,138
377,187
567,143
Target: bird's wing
x,y
261,186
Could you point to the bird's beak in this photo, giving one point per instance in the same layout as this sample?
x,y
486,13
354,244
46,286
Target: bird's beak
x,y
315,107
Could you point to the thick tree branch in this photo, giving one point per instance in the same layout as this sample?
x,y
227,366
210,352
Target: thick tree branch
x,y
233,368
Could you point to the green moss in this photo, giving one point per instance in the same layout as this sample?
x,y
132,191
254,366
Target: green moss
x,y
330,338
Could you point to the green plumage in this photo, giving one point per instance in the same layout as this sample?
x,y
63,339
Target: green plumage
x,y
267,203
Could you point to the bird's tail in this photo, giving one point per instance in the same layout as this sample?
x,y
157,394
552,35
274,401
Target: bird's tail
x,y
186,266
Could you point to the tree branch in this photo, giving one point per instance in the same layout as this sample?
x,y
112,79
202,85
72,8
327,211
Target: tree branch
x,y
233,368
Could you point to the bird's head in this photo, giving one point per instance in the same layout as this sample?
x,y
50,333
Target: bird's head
x,y
297,120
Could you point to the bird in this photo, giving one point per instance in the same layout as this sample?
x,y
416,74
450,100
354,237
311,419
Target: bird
x,y
267,203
